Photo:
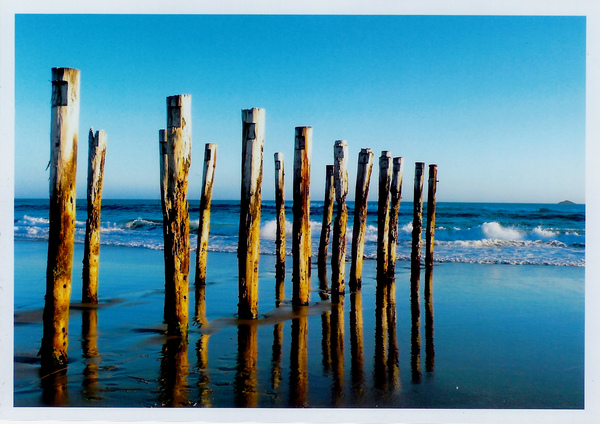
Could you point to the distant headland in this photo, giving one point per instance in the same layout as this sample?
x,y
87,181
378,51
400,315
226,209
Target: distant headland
x,y
566,202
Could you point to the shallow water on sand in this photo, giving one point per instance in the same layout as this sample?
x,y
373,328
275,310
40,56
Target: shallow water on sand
x,y
494,336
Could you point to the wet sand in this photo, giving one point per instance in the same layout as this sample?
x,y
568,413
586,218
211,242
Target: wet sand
x,y
492,336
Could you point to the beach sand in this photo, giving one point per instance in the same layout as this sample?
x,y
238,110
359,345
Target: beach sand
x,y
502,336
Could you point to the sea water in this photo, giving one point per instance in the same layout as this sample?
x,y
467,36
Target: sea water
x,y
506,327
497,233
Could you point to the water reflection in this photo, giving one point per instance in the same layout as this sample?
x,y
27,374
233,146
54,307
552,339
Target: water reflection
x,y
204,390
415,331
337,351
326,341
276,360
298,362
89,346
174,372
357,346
429,348
54,388
386,362
245,392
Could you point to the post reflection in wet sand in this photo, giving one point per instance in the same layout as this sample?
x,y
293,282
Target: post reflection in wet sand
x,y
298,362
245,391
357,346
386,362
174,372
204,390
326,340
54,388
337,350
276,360
415,332
429,348
89,346
393,354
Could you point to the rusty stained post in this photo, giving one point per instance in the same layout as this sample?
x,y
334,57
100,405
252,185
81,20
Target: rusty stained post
x,y
396,196
301,242
415,258
91,253
363,179
280,237
431,203
61,239
210,163
326,226
338,259
383,214
253,140
176,220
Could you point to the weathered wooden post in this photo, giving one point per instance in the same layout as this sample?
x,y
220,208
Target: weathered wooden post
x,y
396,196
363,179
280,237
61,238
164,164
301,242
383,214
338,259
176,220
431,203
417,217
326,227
210,163
253,139
91,253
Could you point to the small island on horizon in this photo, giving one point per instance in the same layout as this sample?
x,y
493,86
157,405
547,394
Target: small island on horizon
x,y
567,202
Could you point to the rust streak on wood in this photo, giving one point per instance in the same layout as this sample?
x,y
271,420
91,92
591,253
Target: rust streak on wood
x,y
61,239
396,196
363,179
210,163
91,254
253,137
383,214
338,259
176,228
280,236
301,242
431,203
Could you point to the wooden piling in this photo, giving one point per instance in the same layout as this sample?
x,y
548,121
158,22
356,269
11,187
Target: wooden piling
x,y
164,163
176,228
415,258
61,239
326,226
338,259
280,237
396,196
431,203
253,138
91,254
210,163
301,242
383,214
363,179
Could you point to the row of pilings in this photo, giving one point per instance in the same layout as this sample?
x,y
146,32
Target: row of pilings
x,y
175,159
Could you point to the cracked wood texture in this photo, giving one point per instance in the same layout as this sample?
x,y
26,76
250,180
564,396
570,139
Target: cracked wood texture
x,y
363,179
210,163
301,242
91,253
63,169
280,236
253,140
396,196
176,220
338,255
383,213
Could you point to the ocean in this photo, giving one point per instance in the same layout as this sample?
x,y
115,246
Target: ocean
x,y
492,233
503,329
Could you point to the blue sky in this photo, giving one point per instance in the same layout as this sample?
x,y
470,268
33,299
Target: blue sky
x,y
498,103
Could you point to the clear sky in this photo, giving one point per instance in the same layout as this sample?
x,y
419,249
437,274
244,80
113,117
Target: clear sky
x,y
498,103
